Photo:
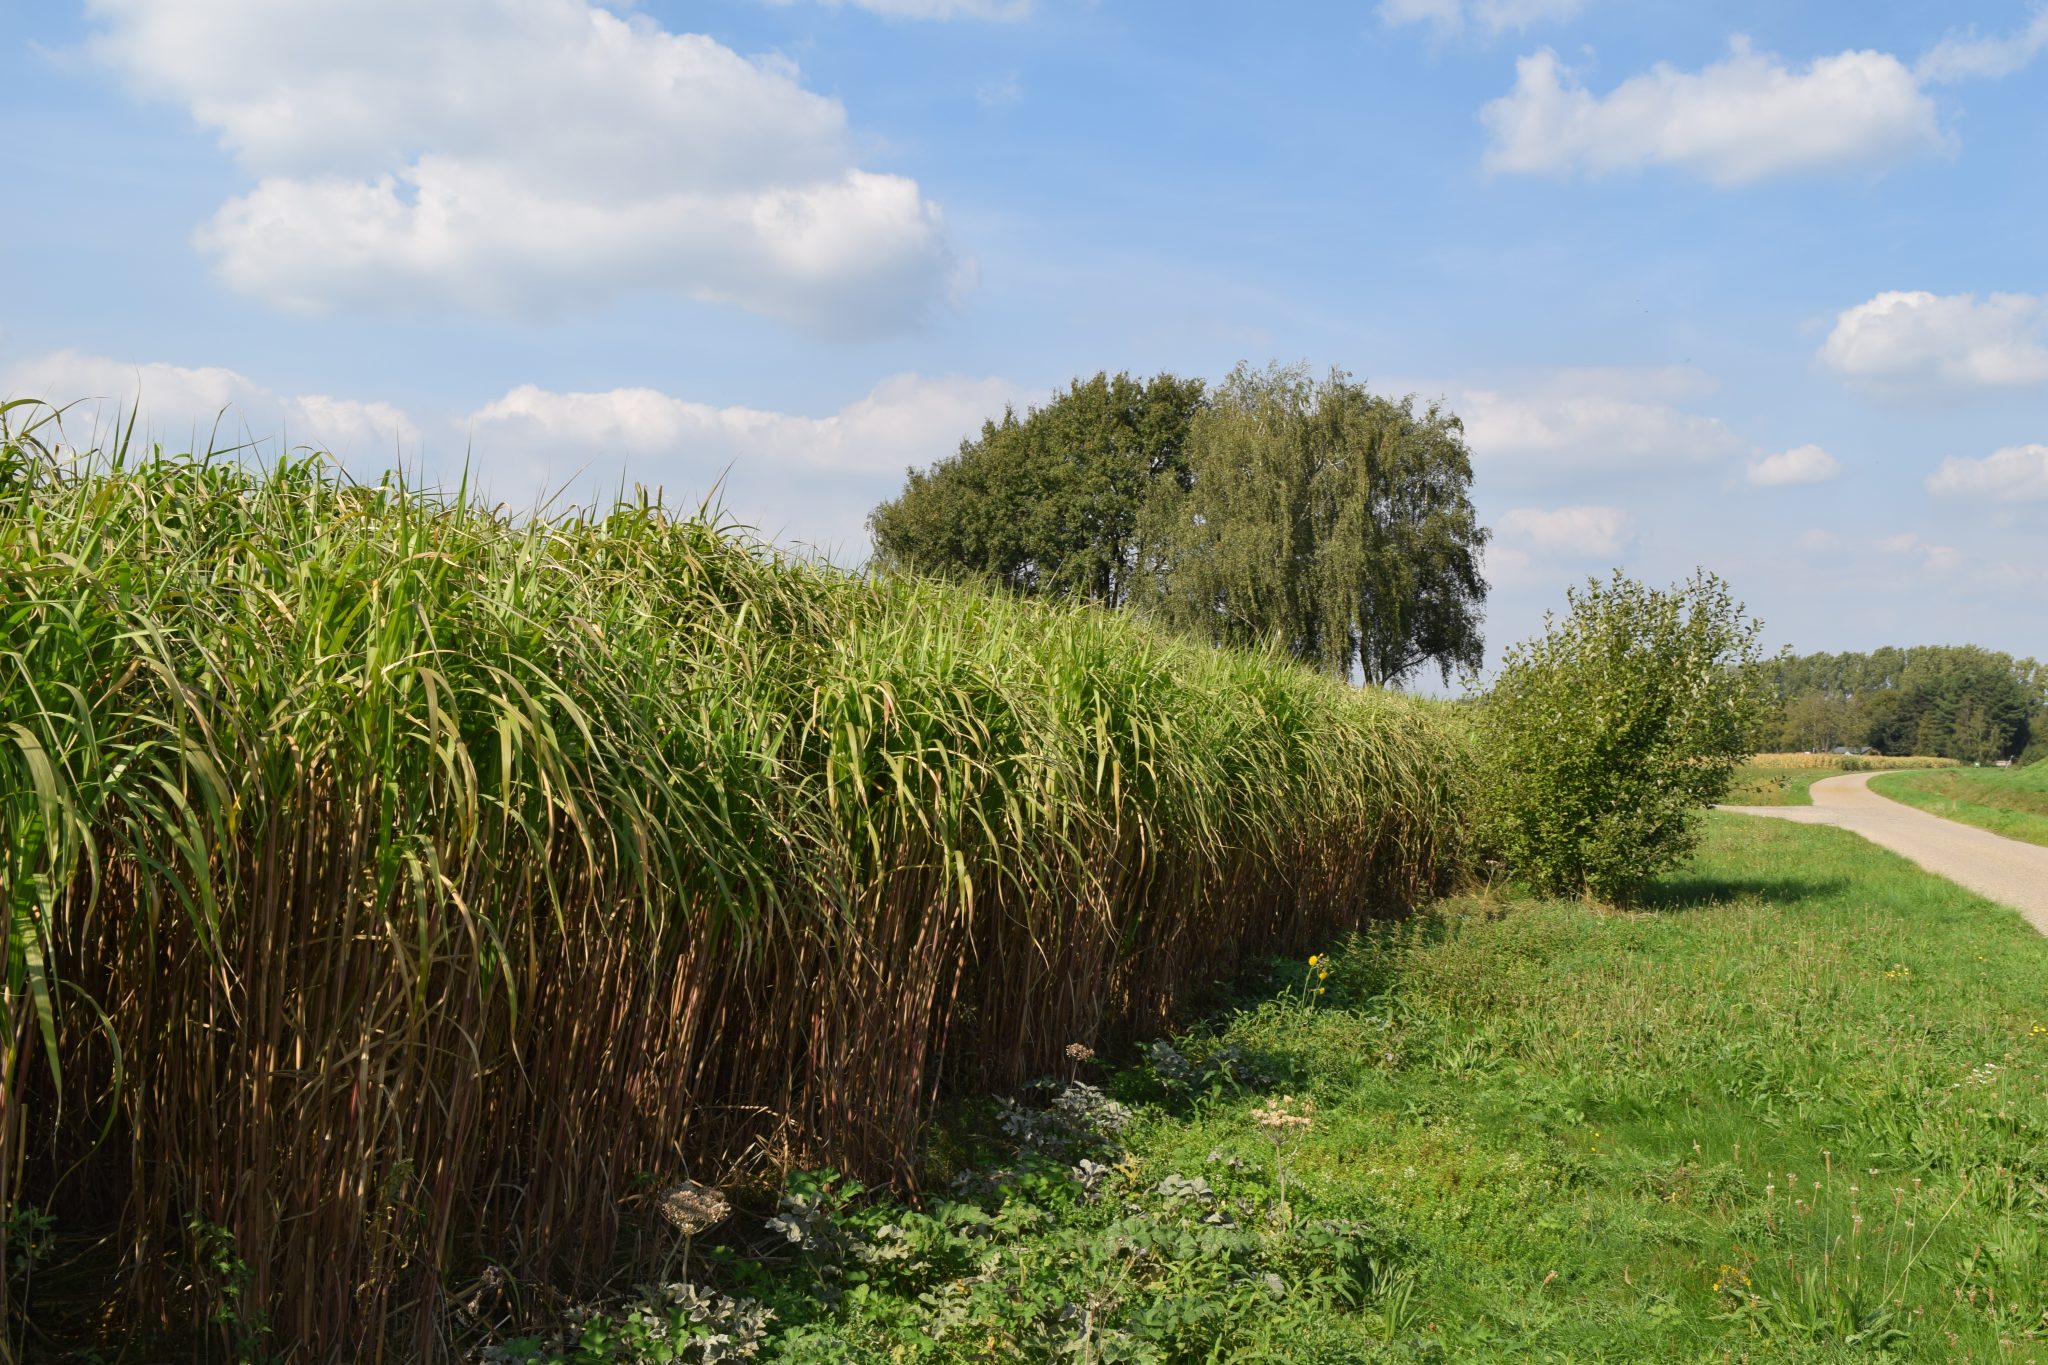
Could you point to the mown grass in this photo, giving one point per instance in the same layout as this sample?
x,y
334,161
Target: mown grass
x,y
1786,779
1796,1110
2008,801
397,888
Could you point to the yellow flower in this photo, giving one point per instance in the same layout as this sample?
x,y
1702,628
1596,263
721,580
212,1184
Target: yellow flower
x,y
1314,958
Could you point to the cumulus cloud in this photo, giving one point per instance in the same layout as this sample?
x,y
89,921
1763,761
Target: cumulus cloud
x,y
526,157
1591,422
1967,56
2016,473
1494,16
1801,464
1570,532
1748,117
1915,339
802,478
200,406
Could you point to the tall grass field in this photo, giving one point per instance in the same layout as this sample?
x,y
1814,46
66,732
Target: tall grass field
x,y
398,889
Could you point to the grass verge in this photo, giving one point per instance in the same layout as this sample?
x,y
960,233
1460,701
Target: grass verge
x,y
1786,779
1794,1112
2008,801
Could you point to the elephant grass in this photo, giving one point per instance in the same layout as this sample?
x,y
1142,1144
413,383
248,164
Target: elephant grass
x,y
396,886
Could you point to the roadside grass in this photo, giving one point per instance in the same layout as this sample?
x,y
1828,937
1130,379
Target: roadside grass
x,y
2008,801
1757,784
1785,779
1794,1110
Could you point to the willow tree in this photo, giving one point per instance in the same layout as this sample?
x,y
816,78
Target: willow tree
x,y
1328,518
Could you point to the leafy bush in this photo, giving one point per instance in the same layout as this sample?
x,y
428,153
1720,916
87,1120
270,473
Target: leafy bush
x,y
1608,733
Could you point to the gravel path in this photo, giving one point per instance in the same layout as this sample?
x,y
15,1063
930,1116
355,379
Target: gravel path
x,y
2000,869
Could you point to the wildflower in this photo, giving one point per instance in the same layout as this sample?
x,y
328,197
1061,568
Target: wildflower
x,y
1079,1053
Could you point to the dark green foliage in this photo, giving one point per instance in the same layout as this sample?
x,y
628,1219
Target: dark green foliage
x,y
1317,516
1330,520
1048,503
1609,734
1940,701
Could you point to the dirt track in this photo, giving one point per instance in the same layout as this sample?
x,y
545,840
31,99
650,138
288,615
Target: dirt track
x,y
2000,869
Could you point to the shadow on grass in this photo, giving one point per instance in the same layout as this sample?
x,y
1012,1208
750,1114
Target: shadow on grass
x,y
1688,892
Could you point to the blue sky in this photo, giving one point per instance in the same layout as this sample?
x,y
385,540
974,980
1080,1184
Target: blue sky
x,y
1756,287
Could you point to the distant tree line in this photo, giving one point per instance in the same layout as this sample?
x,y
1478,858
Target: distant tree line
x,y
1958,701
1274,507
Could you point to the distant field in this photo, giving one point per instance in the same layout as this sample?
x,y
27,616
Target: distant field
x,y
1783,779
2008,801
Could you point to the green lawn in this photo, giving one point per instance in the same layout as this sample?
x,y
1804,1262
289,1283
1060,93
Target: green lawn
x,y
2008,801
1797,1110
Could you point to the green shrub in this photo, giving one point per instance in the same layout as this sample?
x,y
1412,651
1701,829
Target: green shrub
x,y
1611,731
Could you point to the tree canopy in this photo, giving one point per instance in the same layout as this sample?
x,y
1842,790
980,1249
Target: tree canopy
x,y
1047,503
1947,701
1311,513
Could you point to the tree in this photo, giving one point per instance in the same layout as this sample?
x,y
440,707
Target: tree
x,y
1818,722
1048,503
1609,733
1321,515
1952,701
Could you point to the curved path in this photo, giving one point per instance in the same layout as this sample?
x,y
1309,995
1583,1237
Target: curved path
x,y
2000,869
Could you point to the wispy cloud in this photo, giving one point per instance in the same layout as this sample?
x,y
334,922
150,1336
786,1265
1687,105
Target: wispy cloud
x,y
1967,56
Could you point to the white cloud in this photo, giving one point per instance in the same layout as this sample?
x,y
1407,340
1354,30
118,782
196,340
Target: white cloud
x,y
1934,558
1818,540
933,9
2016,473
1575,532
1749,117
808,479
1801,464
1591,422
1495,16
1967,55
526,157
200,406
1942,341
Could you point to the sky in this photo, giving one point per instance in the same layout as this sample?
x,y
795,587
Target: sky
x,y
1755,287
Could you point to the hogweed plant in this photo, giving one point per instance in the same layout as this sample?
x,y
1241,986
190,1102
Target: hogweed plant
x,y
1284,1122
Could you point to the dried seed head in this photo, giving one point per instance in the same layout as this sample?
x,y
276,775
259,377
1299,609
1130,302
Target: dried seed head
x,y
691,1208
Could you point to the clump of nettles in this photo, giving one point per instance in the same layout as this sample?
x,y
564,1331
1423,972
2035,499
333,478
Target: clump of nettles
x,y
1080,1120
1229,1067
